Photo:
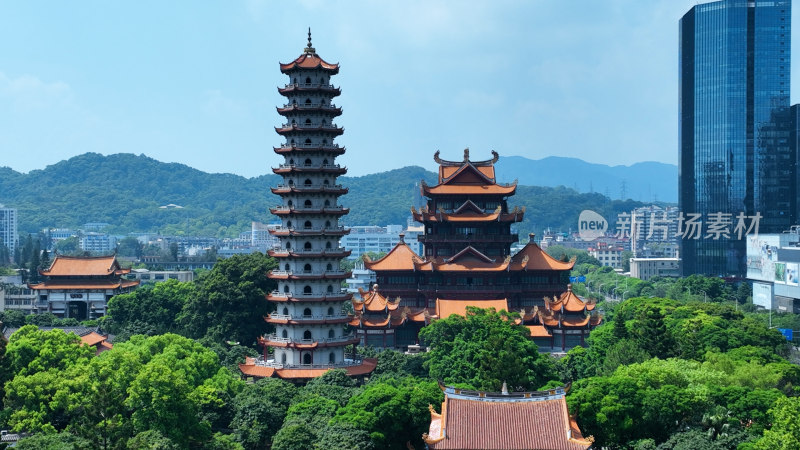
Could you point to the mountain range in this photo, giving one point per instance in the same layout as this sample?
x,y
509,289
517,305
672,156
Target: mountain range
x,y
127,191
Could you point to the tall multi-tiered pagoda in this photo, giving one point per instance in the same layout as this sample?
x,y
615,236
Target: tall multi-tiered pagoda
x,y
467,260
310,322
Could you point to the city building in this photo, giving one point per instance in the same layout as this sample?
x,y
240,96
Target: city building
x,y
773,262
608,255
310,318
157,276
504,420
654,231
17,297
98,242
373,239
467,257
647,268
81,287
361,279
8,228
736,165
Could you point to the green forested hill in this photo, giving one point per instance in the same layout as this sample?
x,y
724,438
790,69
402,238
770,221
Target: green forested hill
x,y
126,191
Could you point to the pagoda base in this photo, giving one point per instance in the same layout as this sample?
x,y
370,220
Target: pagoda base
x,y
260,368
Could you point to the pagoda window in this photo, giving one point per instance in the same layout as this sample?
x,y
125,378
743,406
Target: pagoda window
x,y
308,101
290,203
307,246
325,162
308,160
294,101
295,81
330,310
308,141
291,162
306,289
307,334
293,122
285,311
327,223
285,334
326,182
307,312
328,245
308,80
307,225
327,203
324,122
286,289
307,358
291,182
307,203
308,121
330,289
286,267
307,268
292,141
329,267
307,182
283,358
332,358
289,224
288,246
325,141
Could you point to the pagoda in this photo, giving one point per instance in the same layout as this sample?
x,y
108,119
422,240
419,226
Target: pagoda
x,y
467,259
310,321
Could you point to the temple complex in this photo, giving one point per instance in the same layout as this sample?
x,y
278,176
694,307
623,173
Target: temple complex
x,y
503,420
310,320
81,286
467,261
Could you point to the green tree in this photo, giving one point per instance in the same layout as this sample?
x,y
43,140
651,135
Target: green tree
x,y
259,410
130,247
298,436
53,441
151,309
484,350
785,431
151,440
652,335
230,304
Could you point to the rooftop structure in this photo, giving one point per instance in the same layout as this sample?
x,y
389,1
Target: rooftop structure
x,y
504,420
80,287
467,257
310,321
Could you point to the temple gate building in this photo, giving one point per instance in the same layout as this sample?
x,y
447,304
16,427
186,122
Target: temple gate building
x,y
467,259
80,286
310,320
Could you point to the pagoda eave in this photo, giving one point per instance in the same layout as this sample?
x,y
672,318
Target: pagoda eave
x,y
292,88
321,232
302,321
293,211
309,254
332,111
301,169
299,189
309,148
301,130
288,298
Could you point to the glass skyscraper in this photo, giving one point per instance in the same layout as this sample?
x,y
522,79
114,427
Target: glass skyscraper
x,y
734,130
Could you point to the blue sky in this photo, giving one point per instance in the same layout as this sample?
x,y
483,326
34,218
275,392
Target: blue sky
x,y
195,82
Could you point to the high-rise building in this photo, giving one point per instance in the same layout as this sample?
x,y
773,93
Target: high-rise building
x,y
736,167
310,320
8,228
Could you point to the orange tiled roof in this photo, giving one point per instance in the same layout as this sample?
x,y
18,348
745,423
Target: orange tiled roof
x,y
84,265
532,257
309,61
426,215
85,284
455,189
479,170
444,308
373,301
569,302
92,338
539,331
494,421
249,368
401,257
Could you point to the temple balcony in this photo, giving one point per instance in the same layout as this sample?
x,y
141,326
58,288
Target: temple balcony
x,y
331,231
286,148
307,275
325,168
332,109
287,210
305,87
276,296
309,188
330,253
273,340
303,128
307,320
348,362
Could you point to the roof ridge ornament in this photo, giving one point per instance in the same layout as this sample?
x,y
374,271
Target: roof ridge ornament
x,y
309,48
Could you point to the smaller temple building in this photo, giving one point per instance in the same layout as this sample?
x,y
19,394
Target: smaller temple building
x,y
503,420
563,323
381,323
81,286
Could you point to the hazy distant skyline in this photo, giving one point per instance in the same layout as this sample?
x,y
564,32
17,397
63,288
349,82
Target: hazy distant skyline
x,y
195,82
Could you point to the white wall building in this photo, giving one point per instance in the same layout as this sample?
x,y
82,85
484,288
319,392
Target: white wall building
x,y
647,268
8,227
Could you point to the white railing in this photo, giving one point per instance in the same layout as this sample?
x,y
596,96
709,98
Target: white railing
x,y
310,85
343,315
272,363
275,338
310,105
312,145
324,187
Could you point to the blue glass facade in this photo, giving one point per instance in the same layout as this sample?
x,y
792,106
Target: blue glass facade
x,y
734,127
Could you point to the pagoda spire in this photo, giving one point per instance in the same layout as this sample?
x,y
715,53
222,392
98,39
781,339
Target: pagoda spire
x,y
309,48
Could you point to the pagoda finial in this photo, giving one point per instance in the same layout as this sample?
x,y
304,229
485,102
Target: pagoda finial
x,y
466,154
309,48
